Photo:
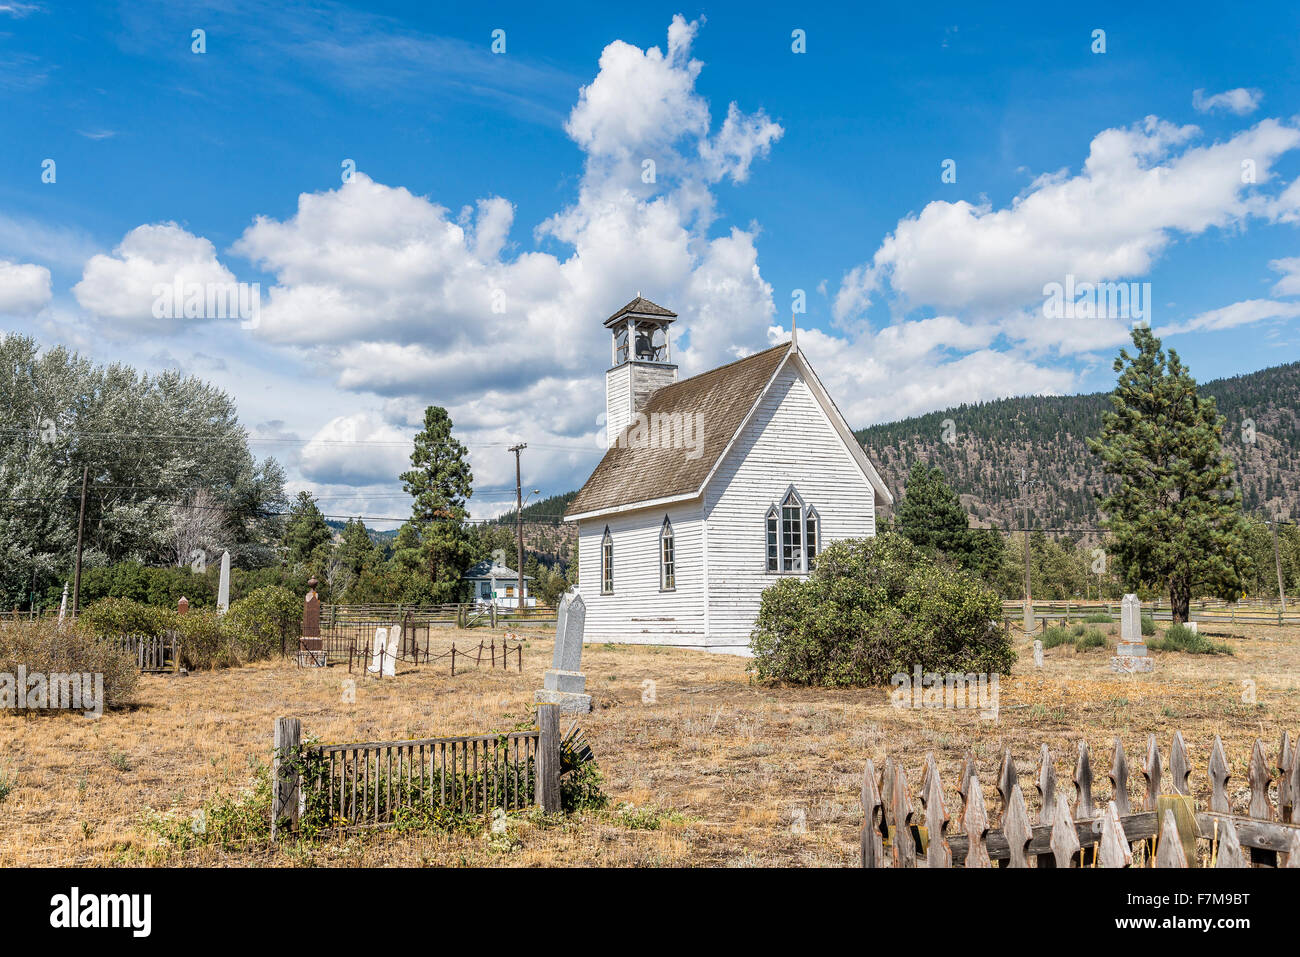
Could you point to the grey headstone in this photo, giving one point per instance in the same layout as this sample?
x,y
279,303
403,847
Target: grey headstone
x,y
570,624
563,684
1038,653
223,588
1130,619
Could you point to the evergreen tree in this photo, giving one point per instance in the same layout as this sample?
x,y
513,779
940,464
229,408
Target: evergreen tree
x,y
306,535
356,551
1174,517
932,517
441,482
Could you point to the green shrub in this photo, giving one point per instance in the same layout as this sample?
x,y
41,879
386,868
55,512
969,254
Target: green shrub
x,y
209,640
272,617
1181,638
580,789
1091,638
45,647
873,608
1098,618
120,617
1056,636
1148,625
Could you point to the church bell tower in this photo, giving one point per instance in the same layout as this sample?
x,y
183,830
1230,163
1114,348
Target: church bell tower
x,y
641,361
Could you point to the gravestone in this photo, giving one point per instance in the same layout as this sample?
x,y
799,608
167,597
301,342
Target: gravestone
x,y
1130,619
563,683
378,651
311,612
183,606
1131,651
383,655
1038,653
223,587
311,647
394,646
63,605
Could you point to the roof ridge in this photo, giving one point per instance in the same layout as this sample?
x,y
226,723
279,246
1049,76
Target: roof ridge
x,y
722,368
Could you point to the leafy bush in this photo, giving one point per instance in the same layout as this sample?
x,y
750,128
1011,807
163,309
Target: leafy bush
x,y
1080,636
1181,638
209,640
1098,618
873,608
1091,638
580,789
121,617
272,617
1055,636
47,648
1148,625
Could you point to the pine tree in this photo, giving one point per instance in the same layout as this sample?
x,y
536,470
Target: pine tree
x,y
356,551
1174,517
932,517
306,534
441,482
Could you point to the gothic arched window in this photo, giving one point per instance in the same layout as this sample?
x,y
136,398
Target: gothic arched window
x,y
607,563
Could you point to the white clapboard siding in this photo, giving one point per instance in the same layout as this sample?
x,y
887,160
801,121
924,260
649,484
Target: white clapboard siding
x,y
789,441
639,611
618,400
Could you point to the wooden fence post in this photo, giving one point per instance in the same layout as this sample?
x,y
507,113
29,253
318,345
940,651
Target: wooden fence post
x,y
285,775
547,785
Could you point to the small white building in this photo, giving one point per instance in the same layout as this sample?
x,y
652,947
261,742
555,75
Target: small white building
x,y
494,583
711,490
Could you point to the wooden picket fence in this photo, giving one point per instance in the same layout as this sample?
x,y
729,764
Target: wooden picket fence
x,y
895,834
153,654
369,784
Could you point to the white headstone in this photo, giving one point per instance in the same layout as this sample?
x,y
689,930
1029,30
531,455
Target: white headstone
x,y
393,646
1130,619
63,605
1038,653
378,651
223,586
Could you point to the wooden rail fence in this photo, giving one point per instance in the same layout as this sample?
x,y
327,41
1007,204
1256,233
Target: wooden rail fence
x,y
1167,826
371,783
1208,612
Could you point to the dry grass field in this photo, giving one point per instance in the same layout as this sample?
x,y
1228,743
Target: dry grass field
x,y
715,771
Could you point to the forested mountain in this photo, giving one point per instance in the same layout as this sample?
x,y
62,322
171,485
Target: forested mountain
x,y
982,448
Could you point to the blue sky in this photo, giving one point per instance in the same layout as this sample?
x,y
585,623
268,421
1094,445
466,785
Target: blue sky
x,y
519,175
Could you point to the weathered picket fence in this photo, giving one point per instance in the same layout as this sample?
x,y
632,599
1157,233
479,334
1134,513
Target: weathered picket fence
x,y
370,784
895,834
153,654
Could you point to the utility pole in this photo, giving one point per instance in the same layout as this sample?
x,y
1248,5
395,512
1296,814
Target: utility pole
x,y
519,521
1277,562
1025,483
81,526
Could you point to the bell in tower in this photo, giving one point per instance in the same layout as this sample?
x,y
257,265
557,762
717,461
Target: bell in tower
x,y
642,361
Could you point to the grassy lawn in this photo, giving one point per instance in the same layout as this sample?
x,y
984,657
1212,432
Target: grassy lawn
x,y
717,771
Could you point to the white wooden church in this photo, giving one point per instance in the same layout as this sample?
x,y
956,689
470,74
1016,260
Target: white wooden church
x,y
712,488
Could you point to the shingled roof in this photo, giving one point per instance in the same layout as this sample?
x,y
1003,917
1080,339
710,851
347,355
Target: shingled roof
x,y
641,307
723,396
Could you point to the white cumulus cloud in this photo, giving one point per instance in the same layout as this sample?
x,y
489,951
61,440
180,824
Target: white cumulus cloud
x,y
24,288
